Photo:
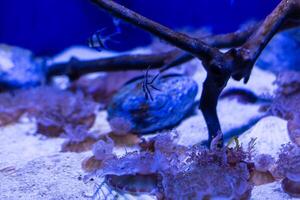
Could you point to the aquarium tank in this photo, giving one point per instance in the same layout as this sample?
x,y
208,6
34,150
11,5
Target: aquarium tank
x,y
149,100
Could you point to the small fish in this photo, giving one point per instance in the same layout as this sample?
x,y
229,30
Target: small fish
x,y
99,42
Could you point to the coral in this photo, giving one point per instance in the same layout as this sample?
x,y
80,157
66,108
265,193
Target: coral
x,y
66,114
263,162
124,140
11,108
288,164
133,163
91,164
294,130
288,167
130,111
103,150
177,172
209,181
57,112
286,102
261,171
75,146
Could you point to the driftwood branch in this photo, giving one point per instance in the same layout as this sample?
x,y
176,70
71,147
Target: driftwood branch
x,y
251,50
220,67
76,68
180,40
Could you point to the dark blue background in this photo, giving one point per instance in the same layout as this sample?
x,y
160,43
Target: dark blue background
x,y
49,26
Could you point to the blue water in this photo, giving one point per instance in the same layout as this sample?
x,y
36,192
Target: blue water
x,y
49,26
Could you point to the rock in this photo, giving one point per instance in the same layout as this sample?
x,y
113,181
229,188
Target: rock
x,y
270,133
282,52
19,68
131,111
291,187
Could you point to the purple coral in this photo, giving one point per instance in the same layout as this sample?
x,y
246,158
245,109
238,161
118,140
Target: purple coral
x,y
57,112
288,167
288,164
211,181
182,172
66,114
103,150
263,162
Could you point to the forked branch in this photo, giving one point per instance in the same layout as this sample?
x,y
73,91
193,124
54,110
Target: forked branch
x,y
236,63
76,68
